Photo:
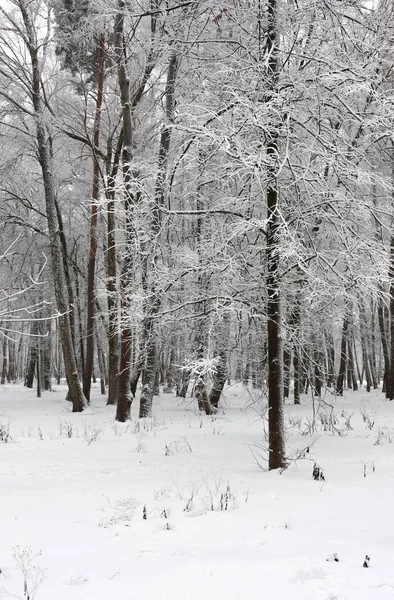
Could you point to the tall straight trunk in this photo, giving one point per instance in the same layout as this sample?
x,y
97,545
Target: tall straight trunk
x,y
372,347
39,375
11,375
297,375
390,378
384,342
364,353
352,370
276,431
112,296
359,373
220,376
32,356
5,359
44,144
330,352
87,379
127,272
153,304
342,365
286,372
101,363
317,378
78,311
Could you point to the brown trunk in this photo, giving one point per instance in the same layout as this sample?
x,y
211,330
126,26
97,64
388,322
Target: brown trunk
x,y
87,378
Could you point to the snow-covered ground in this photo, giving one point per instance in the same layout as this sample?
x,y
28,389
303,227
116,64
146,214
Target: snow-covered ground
x,y
74,491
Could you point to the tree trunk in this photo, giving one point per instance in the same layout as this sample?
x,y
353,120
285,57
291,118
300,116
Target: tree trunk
x,y
342,366
127,273
93,225
385,345
153,304
5,358
274,335
44,145
390,378
112,296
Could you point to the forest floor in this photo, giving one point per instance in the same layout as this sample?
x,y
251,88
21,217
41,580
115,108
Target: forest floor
x,y
75,490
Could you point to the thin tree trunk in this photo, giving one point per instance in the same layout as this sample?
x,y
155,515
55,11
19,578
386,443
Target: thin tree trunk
x,y
5,358
342,365
112,296
390,378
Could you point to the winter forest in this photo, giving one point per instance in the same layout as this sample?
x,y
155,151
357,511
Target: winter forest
x,y
196,299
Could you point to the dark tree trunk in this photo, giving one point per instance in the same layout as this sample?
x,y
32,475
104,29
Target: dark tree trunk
x,y
44,146
297,375
93,225
385,345
286,372
5,358
219,380
127,273
342,365
153,304
352,371
276,431
39,375
112,296
31,368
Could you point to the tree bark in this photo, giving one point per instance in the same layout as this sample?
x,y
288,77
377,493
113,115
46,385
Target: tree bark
x,y
93,225
44,144
153,299
276,432
342,365
127,272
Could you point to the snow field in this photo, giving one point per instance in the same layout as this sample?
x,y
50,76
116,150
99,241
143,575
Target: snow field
x,y
77,488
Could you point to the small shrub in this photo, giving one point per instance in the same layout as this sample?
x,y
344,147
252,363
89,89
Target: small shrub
x,y
66,428
122,513
33,575
317,473
92,432
141,442
177,446
5,435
